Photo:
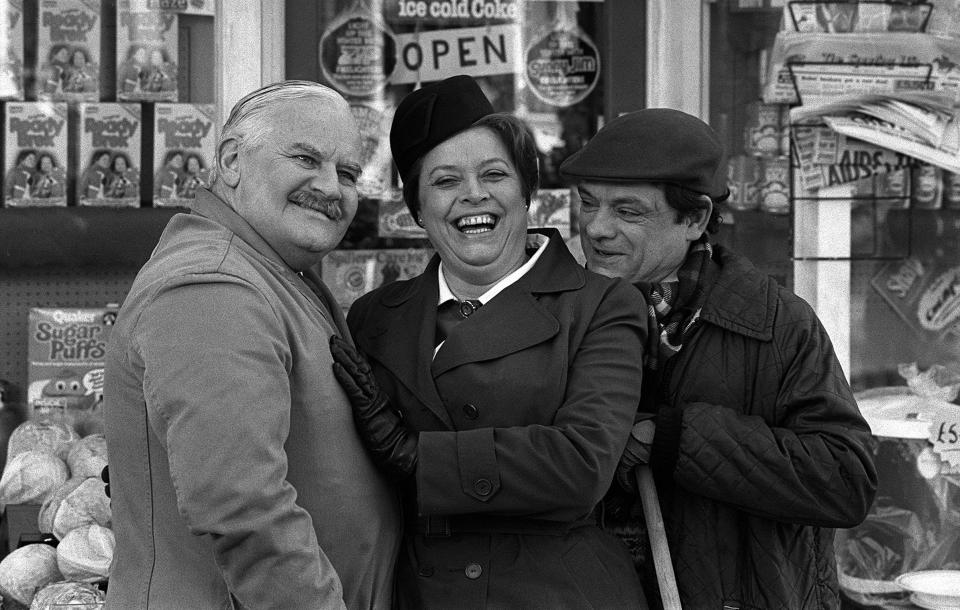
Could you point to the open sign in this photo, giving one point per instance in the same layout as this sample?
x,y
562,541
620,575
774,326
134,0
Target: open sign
x,y
434,55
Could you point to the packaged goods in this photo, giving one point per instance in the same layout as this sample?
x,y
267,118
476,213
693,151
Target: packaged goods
x,y
183,142
147,52
374,121
913,523
68,50
75,503
66,349
66,594
774,185
27,570
35,155
108,164
88,456
927,187
550,208
951,190
85,553
41,435
743,174
762,133
30,477
11,54
352,273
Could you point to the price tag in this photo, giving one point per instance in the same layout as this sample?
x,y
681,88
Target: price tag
x,y
945,436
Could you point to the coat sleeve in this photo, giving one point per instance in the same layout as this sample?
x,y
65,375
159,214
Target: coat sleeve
x,y
808,460
216,384
557,469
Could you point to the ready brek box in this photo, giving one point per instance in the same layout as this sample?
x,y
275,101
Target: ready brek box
x,y
66,349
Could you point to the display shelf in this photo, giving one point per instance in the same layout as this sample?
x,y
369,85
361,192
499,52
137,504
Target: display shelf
x,y
70,237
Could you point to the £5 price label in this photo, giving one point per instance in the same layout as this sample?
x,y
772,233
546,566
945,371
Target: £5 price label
x,y
945,436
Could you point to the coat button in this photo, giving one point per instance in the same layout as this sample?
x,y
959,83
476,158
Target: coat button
x,y
471,411
483,487
473,571
425,571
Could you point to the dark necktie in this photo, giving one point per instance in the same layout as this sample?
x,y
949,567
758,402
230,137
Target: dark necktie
x,y
451,313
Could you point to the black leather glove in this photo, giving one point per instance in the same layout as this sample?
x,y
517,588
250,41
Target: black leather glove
x,y
636,452
105,477
392,445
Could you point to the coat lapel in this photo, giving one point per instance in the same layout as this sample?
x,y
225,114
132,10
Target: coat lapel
x,y
408,320
514,320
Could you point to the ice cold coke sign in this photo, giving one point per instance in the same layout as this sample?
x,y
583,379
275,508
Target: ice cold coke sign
x,y
467,10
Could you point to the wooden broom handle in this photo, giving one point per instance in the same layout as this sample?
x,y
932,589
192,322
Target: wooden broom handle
x,y
658,538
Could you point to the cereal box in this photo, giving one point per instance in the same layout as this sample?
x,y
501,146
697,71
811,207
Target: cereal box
x,y
11,54
35,154
68,50
183,142
66,350
147,53
349,274
108,167
184,7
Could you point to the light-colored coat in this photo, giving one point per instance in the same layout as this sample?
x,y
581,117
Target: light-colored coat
x,y
237,476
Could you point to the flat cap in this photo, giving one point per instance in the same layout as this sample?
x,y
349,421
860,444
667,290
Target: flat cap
x,y
428,116
653,145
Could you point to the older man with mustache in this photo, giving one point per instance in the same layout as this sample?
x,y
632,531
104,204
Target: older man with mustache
x,y
237,477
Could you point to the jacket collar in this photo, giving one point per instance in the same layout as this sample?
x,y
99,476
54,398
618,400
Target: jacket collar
x,y
512,321
552,273
210,206
309,283
742,299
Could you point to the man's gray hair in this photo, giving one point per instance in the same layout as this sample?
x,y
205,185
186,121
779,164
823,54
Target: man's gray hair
x,y
246,123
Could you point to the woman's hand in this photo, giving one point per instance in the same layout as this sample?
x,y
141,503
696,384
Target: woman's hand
x,y
393,446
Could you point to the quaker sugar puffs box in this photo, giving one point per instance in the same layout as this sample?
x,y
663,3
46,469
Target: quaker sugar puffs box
x,y
183,142
35,154
66,350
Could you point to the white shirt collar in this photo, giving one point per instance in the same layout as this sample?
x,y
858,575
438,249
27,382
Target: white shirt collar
x,y
534,240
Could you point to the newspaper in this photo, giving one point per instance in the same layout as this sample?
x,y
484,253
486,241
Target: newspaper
x,y
924,126
865,57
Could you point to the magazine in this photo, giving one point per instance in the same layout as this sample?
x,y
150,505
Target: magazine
x,y
183,143
147,52
35,154
108,164
68,50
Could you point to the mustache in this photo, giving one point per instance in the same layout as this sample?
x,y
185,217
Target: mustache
x,y
327,206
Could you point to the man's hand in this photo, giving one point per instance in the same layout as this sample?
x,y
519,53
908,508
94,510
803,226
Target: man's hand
x,y
393,446
636,452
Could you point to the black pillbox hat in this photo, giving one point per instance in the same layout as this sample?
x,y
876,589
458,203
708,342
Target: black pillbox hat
x,y
428,116
653,145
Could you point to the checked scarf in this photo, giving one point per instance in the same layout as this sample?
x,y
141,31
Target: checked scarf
x,y
675,306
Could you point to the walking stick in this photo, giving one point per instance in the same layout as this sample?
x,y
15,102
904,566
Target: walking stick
x,y
658,539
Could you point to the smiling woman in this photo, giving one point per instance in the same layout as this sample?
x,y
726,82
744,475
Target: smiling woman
x,y
507,473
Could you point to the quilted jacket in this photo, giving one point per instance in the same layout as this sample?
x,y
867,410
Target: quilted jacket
x,y
760,450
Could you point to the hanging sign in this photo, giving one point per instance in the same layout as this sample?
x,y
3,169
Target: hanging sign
x,y
562,66
357,53
435,55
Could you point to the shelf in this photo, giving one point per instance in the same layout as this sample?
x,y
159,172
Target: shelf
x,y
70,237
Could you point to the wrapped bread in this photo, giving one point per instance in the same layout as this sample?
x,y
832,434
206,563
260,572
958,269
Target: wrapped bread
x,y
27,570
78,595
30,477
85,553
76,502
88,456
53,437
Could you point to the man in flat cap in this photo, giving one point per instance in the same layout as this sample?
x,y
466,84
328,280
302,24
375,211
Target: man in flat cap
x,y
756,444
